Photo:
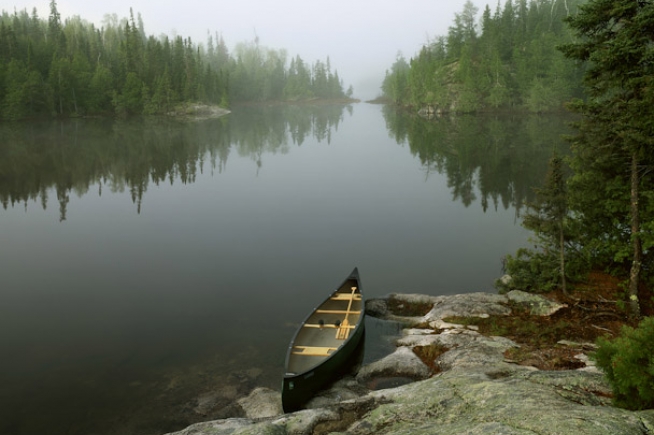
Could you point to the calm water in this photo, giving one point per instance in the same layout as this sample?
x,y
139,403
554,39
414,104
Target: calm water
x,y
148,264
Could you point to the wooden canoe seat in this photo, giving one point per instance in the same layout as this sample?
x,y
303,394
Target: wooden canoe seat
x,y
326,325
313,350
346,297
337,312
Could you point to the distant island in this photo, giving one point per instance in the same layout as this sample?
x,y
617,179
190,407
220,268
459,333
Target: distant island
x,y
69,68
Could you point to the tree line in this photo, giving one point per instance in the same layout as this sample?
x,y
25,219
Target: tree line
x,y
55,67
505,61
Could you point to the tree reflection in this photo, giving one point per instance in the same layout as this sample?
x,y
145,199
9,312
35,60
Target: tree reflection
x,y
72,155
496,159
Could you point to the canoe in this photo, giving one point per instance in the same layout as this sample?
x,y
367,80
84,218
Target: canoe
x,y
324,343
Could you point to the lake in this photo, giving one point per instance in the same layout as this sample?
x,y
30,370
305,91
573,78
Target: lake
x,y
154,270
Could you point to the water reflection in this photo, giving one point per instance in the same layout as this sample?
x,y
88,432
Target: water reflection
x,y
73,155
499,158
118,323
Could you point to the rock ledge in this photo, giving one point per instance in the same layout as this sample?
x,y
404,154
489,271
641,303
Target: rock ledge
x,y
475,389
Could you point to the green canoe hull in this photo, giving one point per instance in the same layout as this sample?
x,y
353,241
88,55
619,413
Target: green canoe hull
x,y
326,345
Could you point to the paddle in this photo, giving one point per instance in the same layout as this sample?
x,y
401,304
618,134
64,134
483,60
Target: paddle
x,y
344,328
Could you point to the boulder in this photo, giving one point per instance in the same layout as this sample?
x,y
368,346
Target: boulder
x,y
536,304
377,308
468,305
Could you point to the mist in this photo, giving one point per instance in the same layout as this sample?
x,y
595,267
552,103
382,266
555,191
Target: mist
x,y
361,38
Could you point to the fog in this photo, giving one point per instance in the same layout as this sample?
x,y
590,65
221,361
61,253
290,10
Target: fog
x,y
361,37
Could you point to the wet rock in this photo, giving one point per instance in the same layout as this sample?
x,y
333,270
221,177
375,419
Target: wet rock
x,y
222,400
262,403
403,362
536,304
377,308
342,390
220,403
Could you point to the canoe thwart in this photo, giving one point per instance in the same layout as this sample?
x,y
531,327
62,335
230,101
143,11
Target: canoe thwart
x,y
313,350
326,325
337,312
346,297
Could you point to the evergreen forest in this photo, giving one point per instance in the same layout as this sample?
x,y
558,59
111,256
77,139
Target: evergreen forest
x,y
505,60
593,57
63,68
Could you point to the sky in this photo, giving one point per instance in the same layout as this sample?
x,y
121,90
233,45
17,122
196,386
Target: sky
x,y
361,37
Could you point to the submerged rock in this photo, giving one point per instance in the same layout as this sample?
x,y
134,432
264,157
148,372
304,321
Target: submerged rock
x,y
261,403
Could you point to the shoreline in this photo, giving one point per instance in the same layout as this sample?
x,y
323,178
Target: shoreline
x,y
305,102
448,377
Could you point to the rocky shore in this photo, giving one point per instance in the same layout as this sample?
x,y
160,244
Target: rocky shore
x,y
448,378
197,111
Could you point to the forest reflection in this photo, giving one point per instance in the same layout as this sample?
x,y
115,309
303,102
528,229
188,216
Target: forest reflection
x,y
72,156
498,159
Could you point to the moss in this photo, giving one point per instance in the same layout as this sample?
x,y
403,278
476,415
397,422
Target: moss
x,y
429,354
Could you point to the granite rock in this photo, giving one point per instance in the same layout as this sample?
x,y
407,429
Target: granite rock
x,y
476,391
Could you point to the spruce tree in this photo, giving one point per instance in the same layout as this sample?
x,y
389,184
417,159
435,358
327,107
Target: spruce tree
x,y
548,214
614,147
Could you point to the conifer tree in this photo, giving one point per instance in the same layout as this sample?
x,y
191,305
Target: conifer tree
x,y
68,67
548,214
509,61
614,147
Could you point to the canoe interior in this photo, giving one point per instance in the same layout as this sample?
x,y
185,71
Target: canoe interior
x,y
330,326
